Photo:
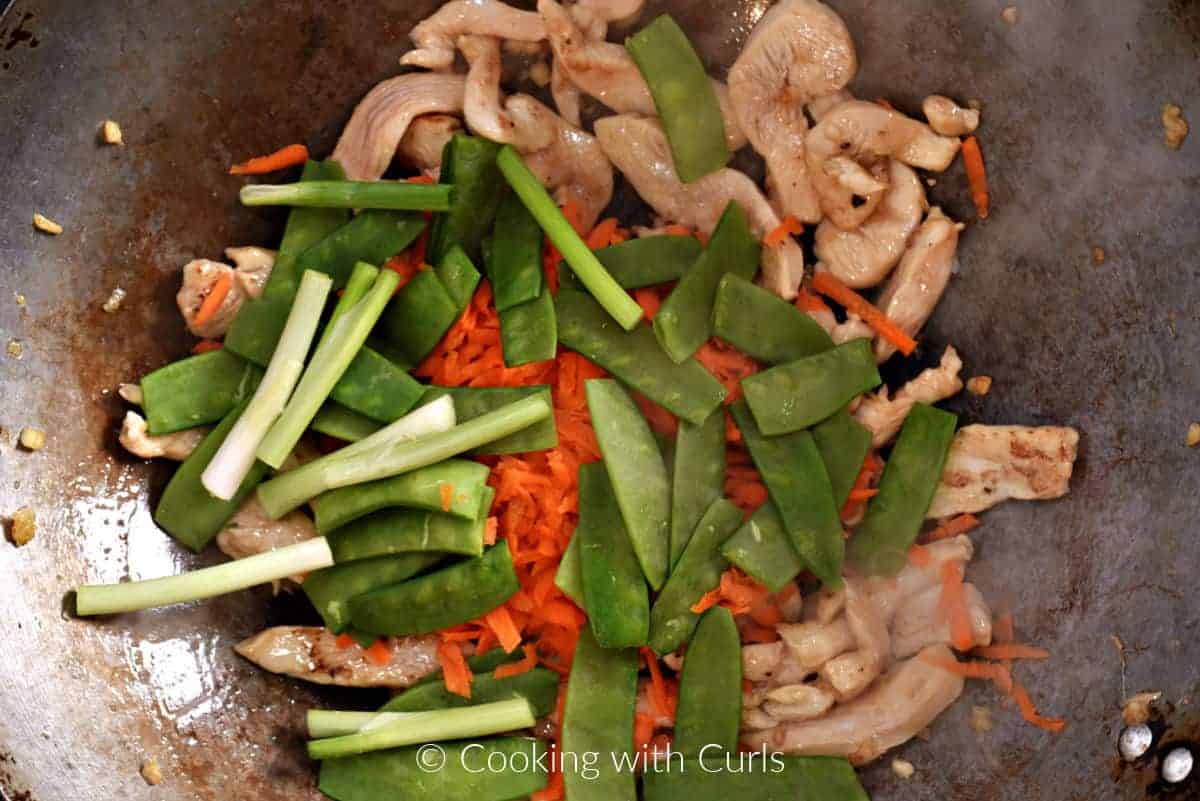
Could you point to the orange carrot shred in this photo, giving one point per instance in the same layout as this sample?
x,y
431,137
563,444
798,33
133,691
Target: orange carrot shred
x,y
455,670
1008,651
525,665
862,494
952,528
379,654
447,491
808,302
602,235
421,179
855,303
489,533
643,731
1003,630
1000,675
554,790
501,622
212,302
919,556
1030,713
206,346
707,601
976,175
953,604
288,156
759,634
660,695
781,232
344,641
675,229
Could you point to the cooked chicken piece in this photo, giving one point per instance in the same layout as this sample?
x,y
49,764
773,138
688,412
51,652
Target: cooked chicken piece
x,y
826,604
567,97
990,464
253,268
849,674
948,118
482,101
854,176
884,416
199,278
176,446
638,148
903,702
435,35
425,139
917,285
607,72
381,119
890,593
251,531
868,133
567,160
818,108
797,702
920,622
852,328
312,653
611,11
812,644
799,51
862,257
755,719
760,660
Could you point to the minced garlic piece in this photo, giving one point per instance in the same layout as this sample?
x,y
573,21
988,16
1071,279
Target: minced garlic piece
x,y
24,526
14,348
19,298
981,719
1193,435
110,133
1175,127
1098,255
32,439
151,772
903,768
46,225
979,385
539,73
114,300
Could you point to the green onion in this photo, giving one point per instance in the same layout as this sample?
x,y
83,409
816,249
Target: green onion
x,y
587,268
235,457
324,723
394,195
108,599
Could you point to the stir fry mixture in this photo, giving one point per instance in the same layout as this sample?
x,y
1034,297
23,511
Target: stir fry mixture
x,y
569,484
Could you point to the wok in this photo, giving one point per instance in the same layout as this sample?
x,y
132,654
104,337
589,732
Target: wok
x,y
1071,96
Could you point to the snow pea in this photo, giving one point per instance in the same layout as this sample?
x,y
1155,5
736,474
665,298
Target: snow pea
x,y
419,316
698,571
335,420
455,594
684,322
698,477
464,774
683,96
331,589
514,260
392,531
197,390
762,549
638,475
764,326
798,485
420,489
755,777
844,443
686,390
642,262
598,719
459,275
616,596
710,687
375,386
186,510
569,577
471,402
372,237
538,686
469,165
894,516
529,332
795,395
257,327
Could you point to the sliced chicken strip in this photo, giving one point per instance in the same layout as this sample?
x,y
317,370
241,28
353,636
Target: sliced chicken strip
x,y
812,644
200,276
592,19
619,12
567,160
638,148
884,416
852,328
990,464
800,50
607,72
868,133
435,36
862,257
381,119
482,101
136,438
849,674
915,288
567,97
797,702
818,108
920,622
253,268
826,605
312,653
890,593
426,138
903,702
252,531
948,118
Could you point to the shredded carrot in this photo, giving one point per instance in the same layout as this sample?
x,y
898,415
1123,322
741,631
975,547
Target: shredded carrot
x,y
675,229
379,654
953,603
525,665
855,303
213,300
421,179
702,237
1003,630
728,365
707,601
661,695
1008,651
766,614
759,634
411,261
919,556
206,346
862,494
554,789
607,232
447,491
871,469
501,623
976,175
455,670
952,528
489,533
781,232
808,302
999,674
643,731
344,641
650,301
1030,713
288,156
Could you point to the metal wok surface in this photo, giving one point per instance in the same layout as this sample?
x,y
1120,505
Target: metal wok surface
x,y
1072,95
